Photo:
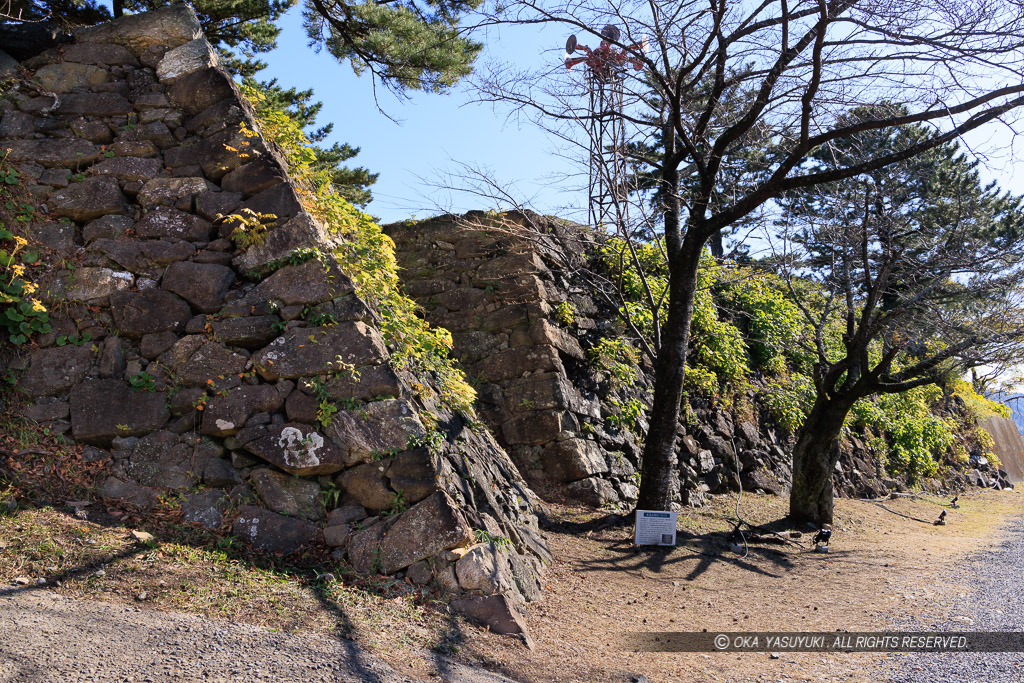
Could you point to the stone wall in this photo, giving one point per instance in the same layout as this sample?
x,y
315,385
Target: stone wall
x,y
189,365
495,282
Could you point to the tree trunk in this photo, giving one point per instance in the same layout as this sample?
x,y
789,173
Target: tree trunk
x,y
659,448
814,460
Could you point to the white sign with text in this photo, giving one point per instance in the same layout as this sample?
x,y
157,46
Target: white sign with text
x,y
655,527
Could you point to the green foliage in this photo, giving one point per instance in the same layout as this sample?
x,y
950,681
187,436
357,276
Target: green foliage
x,y
250,227
21,315
142,382
565,313
628,414
484,536
789,400
408,45
618,357
916,436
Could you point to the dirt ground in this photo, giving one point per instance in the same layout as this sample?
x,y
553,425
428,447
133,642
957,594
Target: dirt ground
x,y
885,564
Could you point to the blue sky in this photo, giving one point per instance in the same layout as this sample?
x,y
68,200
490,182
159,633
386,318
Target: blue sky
x,y
414,155
432,134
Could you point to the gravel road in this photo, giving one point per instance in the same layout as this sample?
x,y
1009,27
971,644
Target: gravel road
x,y
46,637
994,602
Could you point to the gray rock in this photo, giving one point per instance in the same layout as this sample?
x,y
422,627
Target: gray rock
x,y
220,473
89,199
337,535
195,360
140,313
573,459
129,492
317,350
271,532
206,508
298,449
367,486
129,168
185,59
55,370
169,191
253,178
160,461
112,360
103,409
63,153
415,474
306,284
226,415
165,221
288,495
169,26
96,284
46,410
346,514
484,569
106,227
593,491
496,612
203,285
425,529
381,428
249,333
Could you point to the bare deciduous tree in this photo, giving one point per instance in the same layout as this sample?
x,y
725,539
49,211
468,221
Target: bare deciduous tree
x,y
953,65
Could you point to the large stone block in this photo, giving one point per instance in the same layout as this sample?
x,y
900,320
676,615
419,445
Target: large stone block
x,y
103,409
253,178
66,76
366,485
196,91
160,461
249,333
425,529
288,495
89,199
307,284
573,459
271,532
203,285
185,59
170,26
298,449
538,427
104,104
381,428
174,224
195,361
300,232
310,351
415,473
54,371
518,361
226,415
148,311
169,191
129,168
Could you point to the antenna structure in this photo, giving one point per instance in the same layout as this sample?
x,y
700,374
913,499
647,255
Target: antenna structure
x,y
605,67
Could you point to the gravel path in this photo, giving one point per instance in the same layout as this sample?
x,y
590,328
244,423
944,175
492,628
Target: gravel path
x,y
994,579
46,637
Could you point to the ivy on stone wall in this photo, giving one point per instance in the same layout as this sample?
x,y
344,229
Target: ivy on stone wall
x,y
367,254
